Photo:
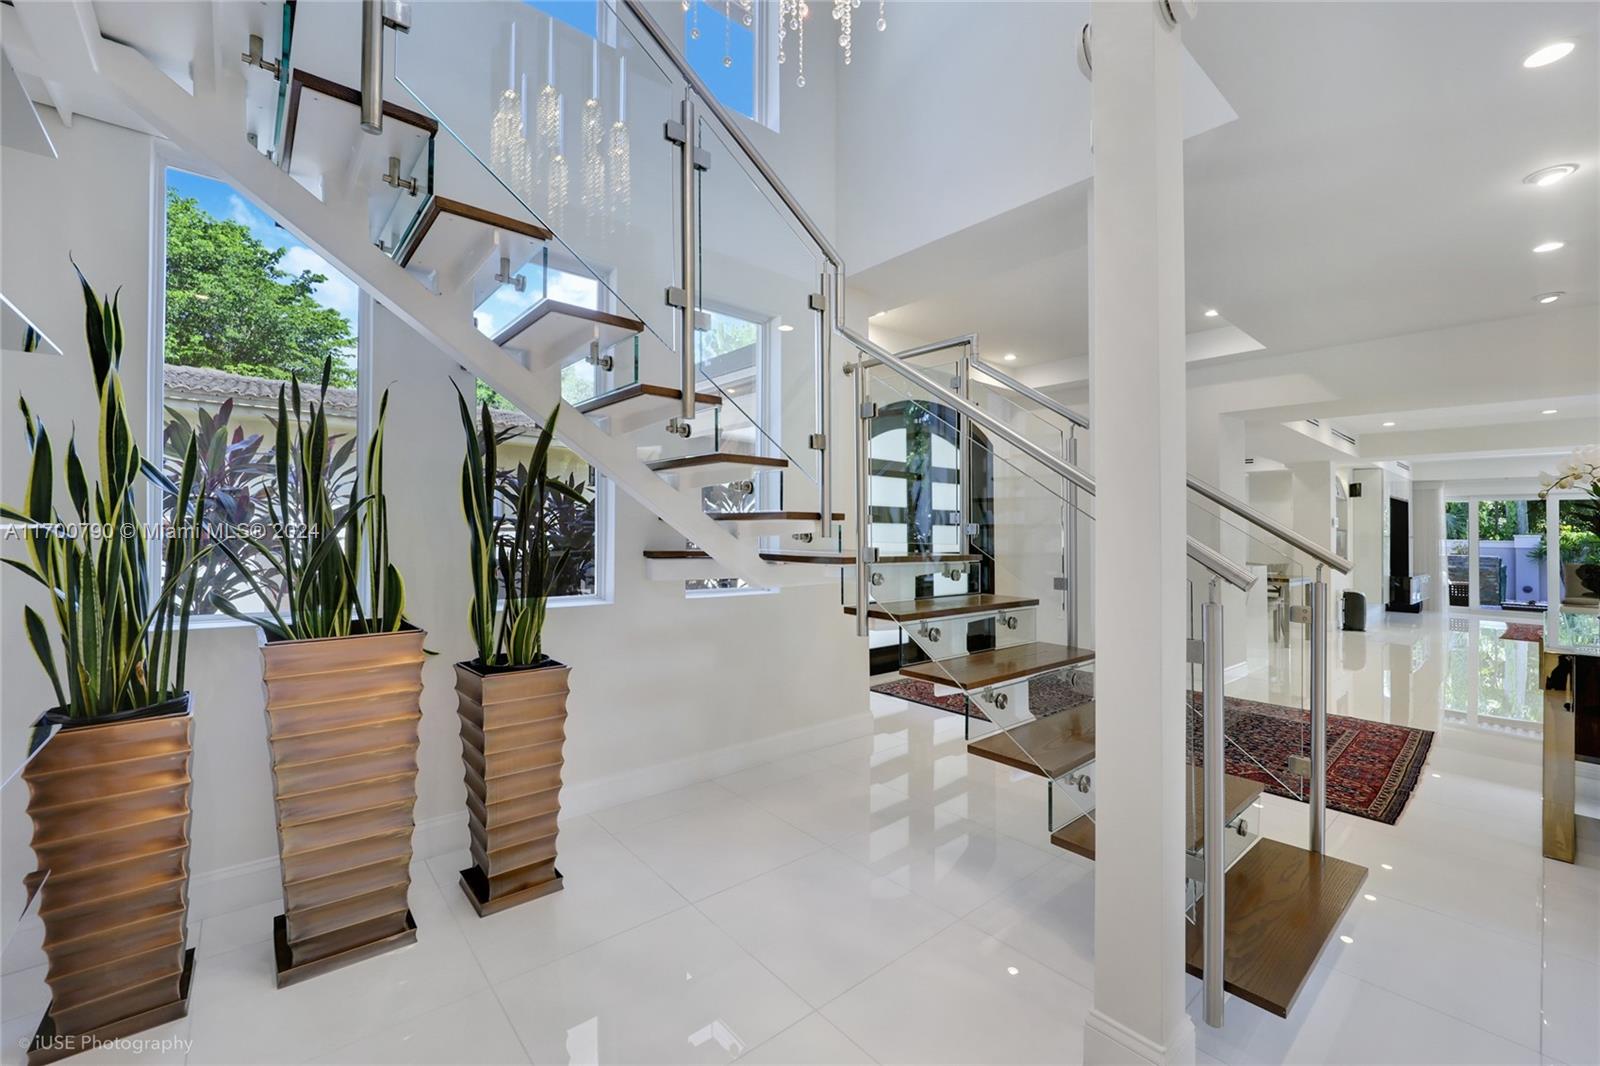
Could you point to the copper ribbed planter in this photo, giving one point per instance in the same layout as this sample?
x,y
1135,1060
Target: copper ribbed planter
x,y
513,723
110,809
342,717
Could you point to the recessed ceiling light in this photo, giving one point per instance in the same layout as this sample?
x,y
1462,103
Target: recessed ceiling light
x,y
1346,940
1550,175
1012,970
1211,312
1011,357
786,328
1370,898
1549,246
1550,53
1549,411
1549,297
1386,425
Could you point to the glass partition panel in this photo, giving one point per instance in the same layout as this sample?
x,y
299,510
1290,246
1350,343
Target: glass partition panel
x,y
758,335
541,119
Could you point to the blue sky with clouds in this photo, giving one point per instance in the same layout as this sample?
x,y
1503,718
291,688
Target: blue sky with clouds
x,y
220,200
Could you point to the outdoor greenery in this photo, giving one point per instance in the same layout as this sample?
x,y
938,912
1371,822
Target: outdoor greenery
x,y
236,471
123,647
525,529
230,306
319,547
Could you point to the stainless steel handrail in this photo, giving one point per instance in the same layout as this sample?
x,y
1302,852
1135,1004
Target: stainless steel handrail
x,y
709,101
1029,391
1261,521
1221,565
884,357
968,340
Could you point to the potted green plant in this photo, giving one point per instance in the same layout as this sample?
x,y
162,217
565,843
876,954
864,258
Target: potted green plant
x,y
343,678
109,794
512,698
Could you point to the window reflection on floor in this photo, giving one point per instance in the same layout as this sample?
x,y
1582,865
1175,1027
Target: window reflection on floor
x,y
1491,682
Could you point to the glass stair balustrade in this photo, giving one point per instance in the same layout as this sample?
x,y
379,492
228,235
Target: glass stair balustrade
x,y
969,579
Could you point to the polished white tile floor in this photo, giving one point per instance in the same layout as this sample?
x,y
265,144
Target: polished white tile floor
x,y
891,899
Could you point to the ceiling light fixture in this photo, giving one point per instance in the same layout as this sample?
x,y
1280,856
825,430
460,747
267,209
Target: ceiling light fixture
x,y
1549,246
1549,411
1550,175
1011,357
1386,425
1549,297
786,328
1550,53
1211,312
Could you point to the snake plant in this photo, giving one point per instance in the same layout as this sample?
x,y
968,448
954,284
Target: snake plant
x,y
514,571
319,544
123,648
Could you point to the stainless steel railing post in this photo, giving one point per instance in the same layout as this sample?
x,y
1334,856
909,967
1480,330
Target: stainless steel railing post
x,y
1070,518
1214,932
1319,711
372,65
689,205
863,496
822,305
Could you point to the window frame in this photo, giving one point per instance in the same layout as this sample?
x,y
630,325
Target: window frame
x,y
765,74
164,157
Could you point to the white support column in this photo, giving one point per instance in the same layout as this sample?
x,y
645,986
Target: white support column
x,y
1140,568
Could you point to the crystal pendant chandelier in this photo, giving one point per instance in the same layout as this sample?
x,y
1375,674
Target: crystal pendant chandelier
x,y
508,135
792,16
619,171
592,134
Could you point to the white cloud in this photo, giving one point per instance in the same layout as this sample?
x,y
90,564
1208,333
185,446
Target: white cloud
x,y
241,212
338,292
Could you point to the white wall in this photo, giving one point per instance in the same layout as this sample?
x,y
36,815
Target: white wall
x,y
665,689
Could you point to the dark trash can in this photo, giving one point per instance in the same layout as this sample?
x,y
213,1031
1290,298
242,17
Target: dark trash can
x,y
1355,611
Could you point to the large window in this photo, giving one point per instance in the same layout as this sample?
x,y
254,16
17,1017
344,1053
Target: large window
x,y
725,41
246,307
1495,553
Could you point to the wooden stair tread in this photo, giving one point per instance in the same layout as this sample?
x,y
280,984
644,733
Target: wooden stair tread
x,y
998,664
639,390
613,327
443,208
689,462
927,557
772,516
302,81
826,558
1284,904
944,606
1052,746
1077,836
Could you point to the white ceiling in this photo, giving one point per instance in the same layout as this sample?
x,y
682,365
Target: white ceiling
x,y
1371,187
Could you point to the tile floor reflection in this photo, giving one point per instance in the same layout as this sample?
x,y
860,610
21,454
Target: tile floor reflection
x,y
892,899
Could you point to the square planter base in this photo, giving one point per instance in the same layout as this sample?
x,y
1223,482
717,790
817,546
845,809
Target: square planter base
x,y
477,890
48,1046
288,973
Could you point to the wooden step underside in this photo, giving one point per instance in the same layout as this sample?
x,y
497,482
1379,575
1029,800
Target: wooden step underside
x,y
944,606
1077,836
1052,746
1284,904
553,330
641,404
998,665
453,231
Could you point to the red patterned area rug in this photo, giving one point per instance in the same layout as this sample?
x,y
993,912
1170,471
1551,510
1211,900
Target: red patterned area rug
x,y
1523,631
1373,767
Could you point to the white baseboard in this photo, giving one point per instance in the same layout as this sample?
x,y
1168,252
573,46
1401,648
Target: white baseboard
x,y
1588,782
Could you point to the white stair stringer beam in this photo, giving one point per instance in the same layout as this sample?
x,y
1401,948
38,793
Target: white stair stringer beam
x,y
209,127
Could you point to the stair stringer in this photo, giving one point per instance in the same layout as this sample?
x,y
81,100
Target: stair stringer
x,y
208,127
